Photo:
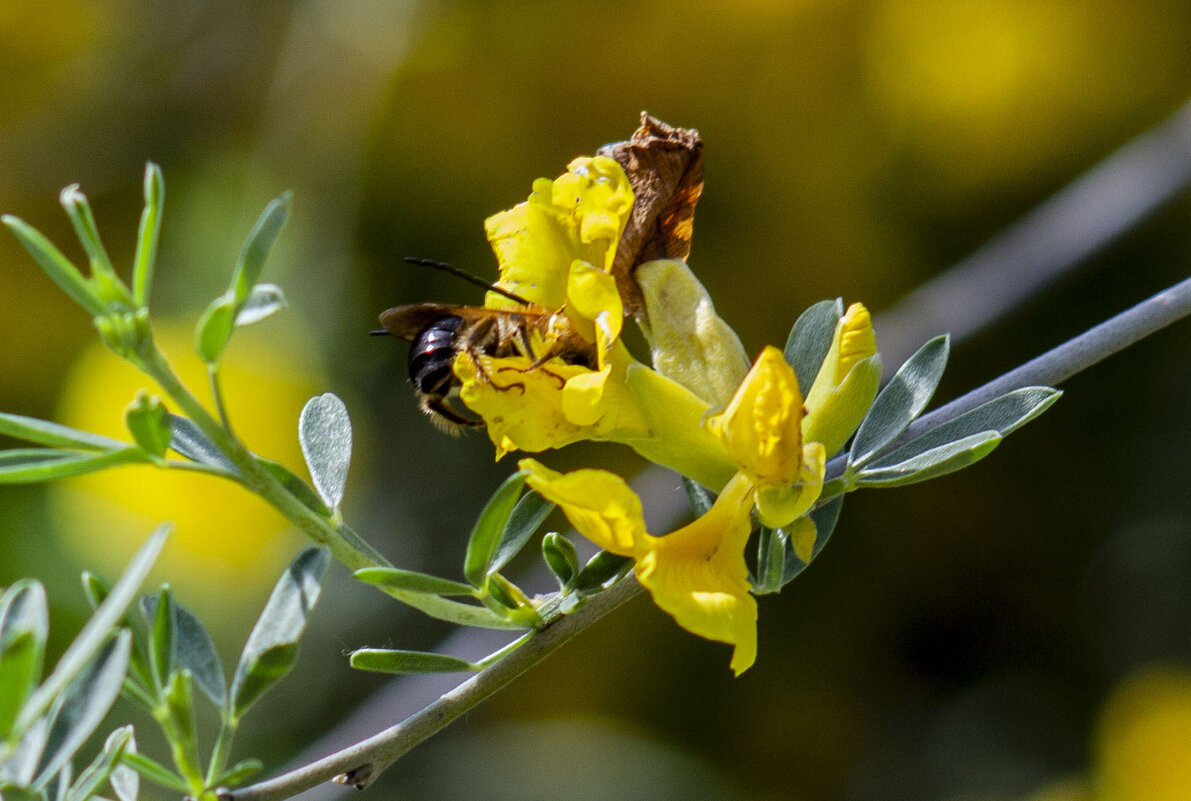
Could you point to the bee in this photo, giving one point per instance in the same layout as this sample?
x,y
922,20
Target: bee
x,y
438,332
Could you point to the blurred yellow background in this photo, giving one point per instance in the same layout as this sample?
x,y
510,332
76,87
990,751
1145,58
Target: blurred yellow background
x,y
958,640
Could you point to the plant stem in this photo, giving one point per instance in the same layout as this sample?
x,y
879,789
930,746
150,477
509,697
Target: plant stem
x,y
221,750
345,545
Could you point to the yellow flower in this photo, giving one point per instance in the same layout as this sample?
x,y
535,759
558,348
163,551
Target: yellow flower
x,y
762,432
846,384
697,574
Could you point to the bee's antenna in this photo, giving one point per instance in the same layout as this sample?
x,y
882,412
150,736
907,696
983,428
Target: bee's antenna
x,y
455,271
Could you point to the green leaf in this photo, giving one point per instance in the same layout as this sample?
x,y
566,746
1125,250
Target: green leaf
x,y
237,773
824,518
1003,415
699,497
258,246
180,703
810,340
601,569
149,423
56,266
163,634
156,772
13,792
79,210
125,781
405,662
527,516
264,301
95,633
196,652
150,230
214,329
930,464
452,611
96,775
272,646
190,441
902,400
325,434
83,704
24,626
296,487
772,546
31,465
561,557
53,435
411,581
488,530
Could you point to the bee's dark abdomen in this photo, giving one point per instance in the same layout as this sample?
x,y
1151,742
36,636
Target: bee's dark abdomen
x,y
432,354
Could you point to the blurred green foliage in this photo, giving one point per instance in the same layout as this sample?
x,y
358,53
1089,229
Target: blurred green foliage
x,y
955,638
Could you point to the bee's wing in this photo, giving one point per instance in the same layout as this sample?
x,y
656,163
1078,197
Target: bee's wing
x,y
407,321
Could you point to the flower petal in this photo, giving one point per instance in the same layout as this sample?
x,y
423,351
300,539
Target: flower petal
x,y
698,574
599,504
580,215
762,426
846,384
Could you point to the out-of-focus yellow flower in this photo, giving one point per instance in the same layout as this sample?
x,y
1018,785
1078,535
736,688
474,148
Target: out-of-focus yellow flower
x,y
224,537
697,574
1143,750
846,384
762,431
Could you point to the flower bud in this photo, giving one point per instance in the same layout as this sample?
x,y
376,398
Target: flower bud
x,y
846,384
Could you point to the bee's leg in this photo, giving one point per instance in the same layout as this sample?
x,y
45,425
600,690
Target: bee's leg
x,y
444,416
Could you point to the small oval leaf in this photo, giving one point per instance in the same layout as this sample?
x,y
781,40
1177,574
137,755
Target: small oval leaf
x,y
258,246
263,301
325,434
405,662
189,440
412,581
489,528
810,340
936,462
272,646
214,329
529,513
902,399
43,432
561,557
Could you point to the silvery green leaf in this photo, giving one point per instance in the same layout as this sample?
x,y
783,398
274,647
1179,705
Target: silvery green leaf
x,y
196,653
561,557
190,441
53,435
902,400
404,662
21,765
810,339
527,516
126,782
325,434
944,459
30,465
601,569
272,647
95,633
263,301
1003,415
24,625
96,775
83,704
163,633
411,581
699,497
441,608
258,246
237,773
490,525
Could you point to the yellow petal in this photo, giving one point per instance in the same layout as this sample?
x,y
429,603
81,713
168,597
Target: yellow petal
x,y
778,507
521,405
579,216
599,504
762,426
594,304
846,384
698,574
